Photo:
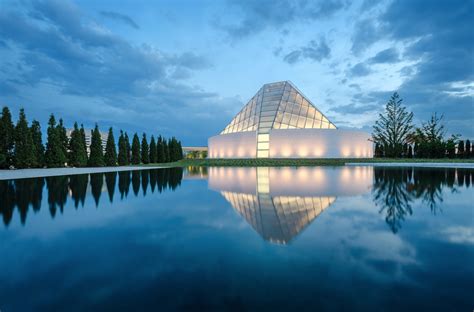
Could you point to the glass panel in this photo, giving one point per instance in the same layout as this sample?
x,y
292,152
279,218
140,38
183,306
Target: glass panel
x,y
263,145
311,112
267,113
294,120
286,118
279,117
270,108
262,154
324,125
318,115
267,118
304,111
296,109
317,124
276,125
301,122
331,126
265,124
263,137
309,123
284,126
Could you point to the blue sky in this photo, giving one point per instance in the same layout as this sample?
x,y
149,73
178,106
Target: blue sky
x,y
185,68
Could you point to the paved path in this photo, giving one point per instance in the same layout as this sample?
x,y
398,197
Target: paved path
x,y
416,164
49,172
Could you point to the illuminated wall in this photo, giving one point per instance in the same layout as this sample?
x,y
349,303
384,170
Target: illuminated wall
x,y
233,145
294,143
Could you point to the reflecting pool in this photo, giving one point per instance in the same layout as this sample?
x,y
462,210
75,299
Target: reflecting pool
x,y
258,239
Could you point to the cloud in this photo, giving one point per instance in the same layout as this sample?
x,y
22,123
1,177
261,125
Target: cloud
x,y
120,17
437,38
56,49
365,34
314,51
389,55
256,16
360,69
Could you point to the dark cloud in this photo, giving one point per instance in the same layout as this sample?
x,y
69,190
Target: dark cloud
x,y
120,17
438,37
257,16
360,69
314,51
389,55
356,109
57,49
365,34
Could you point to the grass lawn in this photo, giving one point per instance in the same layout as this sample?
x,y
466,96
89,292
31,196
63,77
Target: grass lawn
x,y
298,162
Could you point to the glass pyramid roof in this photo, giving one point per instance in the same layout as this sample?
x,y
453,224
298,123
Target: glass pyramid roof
x,y
278,105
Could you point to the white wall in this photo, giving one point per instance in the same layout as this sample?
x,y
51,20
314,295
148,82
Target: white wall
x,y
233,145
320,143
295,143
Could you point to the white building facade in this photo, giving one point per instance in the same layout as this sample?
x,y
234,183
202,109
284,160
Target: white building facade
x,y
280,122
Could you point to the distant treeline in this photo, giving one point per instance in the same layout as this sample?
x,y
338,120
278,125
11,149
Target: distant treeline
x,y
25,193
21,146
395,136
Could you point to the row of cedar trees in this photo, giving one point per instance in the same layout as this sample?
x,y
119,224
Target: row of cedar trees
x,y
395,135
21,146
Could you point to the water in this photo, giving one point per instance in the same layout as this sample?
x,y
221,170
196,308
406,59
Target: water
x,y
266,239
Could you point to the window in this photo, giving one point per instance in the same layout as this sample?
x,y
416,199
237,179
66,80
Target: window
x,y
294,120
301,122
263,137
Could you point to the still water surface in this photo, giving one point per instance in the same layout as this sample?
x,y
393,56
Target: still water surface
x,y
258,239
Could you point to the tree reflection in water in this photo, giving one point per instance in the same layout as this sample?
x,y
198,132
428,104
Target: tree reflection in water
x,y
23,193
395,190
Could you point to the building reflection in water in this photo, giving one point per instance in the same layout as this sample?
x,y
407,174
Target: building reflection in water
x,y
280,202
22,194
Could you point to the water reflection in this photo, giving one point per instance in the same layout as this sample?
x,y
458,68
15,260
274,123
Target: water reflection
x,y
25,193
280,202
396,189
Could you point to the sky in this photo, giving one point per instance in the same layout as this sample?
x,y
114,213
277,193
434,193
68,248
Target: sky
x,y
185,68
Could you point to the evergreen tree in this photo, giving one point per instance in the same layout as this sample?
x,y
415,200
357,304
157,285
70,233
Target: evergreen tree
x,y
394,127
461,149
122,154
24,156
7,137
136,150
129,149
160,153
54,156
145,150
110,151
63,139
180,150
152,150
96,157
77,149
166,151
467,149
38,147
84,144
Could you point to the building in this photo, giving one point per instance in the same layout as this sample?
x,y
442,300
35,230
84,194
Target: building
x,y
279,203
88,132
194,151
280,122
